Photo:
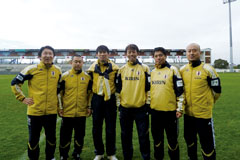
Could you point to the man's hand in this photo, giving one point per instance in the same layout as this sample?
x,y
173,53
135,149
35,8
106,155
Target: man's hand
x,y
60,112
178,114
28,101
89,112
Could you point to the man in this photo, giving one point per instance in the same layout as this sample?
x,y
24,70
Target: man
x,y
103,73
75,95
202,88
42,101
133,85
166,104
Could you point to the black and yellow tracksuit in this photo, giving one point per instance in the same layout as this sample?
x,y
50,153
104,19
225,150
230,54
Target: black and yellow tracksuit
x,y
75,90
202,88
42,88
133,85
104,105
104,76
166,98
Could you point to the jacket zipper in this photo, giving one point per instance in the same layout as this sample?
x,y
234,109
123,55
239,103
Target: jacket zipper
x,y
46,94
190,107
77,98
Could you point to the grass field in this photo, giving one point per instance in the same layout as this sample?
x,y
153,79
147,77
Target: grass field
x,y
14,132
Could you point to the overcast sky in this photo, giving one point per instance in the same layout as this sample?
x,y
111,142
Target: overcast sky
x,y
85,24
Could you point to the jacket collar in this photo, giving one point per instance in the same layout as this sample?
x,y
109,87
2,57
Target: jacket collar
x,y
103,64
133,64
76,72
195,63
166,64
44,66
108,65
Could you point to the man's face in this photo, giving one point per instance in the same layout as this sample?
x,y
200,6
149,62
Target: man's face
x,y
77,63
159,58
132,55
103,56
193,52
47,56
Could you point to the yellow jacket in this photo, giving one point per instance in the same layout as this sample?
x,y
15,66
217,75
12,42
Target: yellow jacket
x,y
103,76
202,88
166,89
42,88
133,84
75,93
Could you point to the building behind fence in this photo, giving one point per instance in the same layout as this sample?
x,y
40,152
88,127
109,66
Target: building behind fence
x,y
14,60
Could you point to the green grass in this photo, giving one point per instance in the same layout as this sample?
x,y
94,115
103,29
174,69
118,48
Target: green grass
x,y
14,132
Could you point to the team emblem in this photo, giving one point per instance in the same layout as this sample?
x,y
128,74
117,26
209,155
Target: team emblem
x,y
198,73
138,73
72,75
53,73
82,78
132,70
165,76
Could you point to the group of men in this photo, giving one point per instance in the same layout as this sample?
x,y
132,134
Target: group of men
x,y
166,93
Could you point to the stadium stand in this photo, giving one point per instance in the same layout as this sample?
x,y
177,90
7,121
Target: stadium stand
x,y
14,60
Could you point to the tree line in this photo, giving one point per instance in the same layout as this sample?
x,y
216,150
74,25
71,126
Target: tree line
x,y
223,64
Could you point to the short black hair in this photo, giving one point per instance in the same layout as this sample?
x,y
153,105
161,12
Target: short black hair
x,y
76,55
132,47
161,49
45,47
102,48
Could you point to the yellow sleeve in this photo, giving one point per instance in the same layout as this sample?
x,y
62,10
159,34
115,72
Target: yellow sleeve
x,y
215,83
179,89
17,90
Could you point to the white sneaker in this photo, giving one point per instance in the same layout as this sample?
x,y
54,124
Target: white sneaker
x,y
99,157
113,157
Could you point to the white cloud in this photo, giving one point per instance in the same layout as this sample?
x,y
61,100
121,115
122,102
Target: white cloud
x,y
116,23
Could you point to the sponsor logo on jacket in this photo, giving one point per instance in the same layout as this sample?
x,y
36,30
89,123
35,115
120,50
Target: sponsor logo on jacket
x,y
159,82
132,78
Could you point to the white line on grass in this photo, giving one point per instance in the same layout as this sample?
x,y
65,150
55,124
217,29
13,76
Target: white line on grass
x,y
42,137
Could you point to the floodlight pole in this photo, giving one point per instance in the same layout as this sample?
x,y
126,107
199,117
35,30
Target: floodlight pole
x,y
230,32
